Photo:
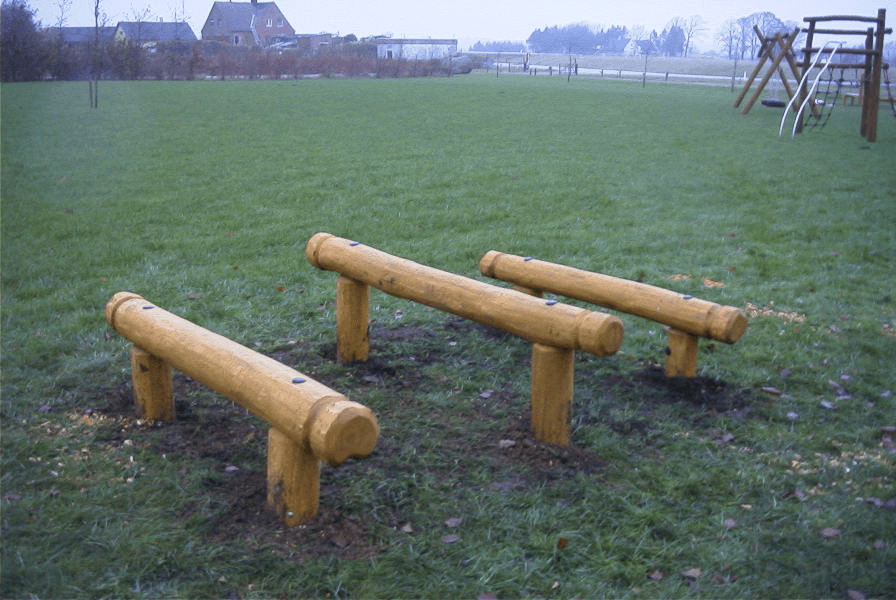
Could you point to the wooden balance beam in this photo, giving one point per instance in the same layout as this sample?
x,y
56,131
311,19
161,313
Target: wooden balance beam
x,y
555,330
686,316
309,421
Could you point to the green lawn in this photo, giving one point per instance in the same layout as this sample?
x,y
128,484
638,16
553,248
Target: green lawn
x,y
200,196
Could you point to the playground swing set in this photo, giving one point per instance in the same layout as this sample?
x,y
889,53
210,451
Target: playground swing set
x,y
818,64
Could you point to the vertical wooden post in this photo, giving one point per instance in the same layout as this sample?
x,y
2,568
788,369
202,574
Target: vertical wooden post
x,y
552,389
352,319
153,385
681,354
293,479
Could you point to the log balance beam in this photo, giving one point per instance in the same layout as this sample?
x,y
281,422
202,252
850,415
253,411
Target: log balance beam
x,y
309,422
687,317
555,330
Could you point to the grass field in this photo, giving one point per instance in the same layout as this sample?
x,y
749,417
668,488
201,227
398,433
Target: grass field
x,y
201,196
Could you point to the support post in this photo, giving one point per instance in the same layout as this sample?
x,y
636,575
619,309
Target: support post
x,y
293,479
552,390
352,319
681,354
153,385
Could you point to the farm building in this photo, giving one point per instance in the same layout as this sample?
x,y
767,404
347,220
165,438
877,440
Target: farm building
x,y
414,49
246,23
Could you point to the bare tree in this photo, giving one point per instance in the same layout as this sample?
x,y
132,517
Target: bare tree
x,y
692,27
729,38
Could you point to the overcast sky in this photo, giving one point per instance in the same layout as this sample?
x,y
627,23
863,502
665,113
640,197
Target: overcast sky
x,y
470,20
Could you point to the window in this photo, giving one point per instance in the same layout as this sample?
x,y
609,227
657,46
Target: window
x,y
280,22
269,23
236,40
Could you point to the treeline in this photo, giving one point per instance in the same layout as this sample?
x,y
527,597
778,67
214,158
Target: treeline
x,y
579,39
498,47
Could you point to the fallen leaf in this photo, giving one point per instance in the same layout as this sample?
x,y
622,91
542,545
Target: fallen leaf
x,y
792,416
556,585
786,372
692,574
656,575
855,595
486,394
770,390
450,538
506,443
707,282
677,277
280,288
456,521
561,543
12,497
407,528
196,296
829,532
827,405
231,469
729,523
486,596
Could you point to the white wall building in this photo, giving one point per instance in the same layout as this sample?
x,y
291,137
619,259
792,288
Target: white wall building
x,y
415,49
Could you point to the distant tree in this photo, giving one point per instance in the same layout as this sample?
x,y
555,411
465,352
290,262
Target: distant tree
x,y
638,33
570,39
22,53
729,38
672,41
498,47
612,41
692,26
767,23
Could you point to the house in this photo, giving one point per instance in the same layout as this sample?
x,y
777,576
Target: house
x,y
150,33
246,23
414,49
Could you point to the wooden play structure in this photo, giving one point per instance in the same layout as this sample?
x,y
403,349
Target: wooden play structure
x,y
556,330
687,317
818,60
309,422
872,54
776,49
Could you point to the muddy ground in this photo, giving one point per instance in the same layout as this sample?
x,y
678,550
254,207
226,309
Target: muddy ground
x,y
240,493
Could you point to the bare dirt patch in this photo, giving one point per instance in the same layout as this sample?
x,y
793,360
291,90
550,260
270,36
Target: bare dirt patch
x,y
209,428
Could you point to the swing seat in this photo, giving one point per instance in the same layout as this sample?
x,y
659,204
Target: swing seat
x,y
774,103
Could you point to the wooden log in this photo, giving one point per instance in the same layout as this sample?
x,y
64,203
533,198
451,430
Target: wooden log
x,y
552,391
681,354
352,319
539,321
679,311
293,479
153,385
309,413
310,422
